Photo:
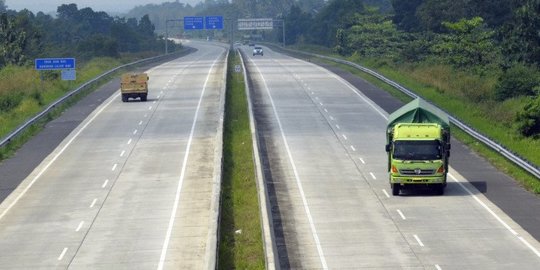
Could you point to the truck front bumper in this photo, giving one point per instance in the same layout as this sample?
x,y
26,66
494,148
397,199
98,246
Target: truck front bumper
x,y
417,180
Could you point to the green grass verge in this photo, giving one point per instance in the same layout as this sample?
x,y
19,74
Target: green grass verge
x,y
241,245
525,179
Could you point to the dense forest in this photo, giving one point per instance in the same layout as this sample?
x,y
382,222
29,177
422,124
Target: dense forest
x,y
81,33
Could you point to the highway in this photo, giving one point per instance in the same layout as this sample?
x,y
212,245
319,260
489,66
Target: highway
x,y
134,186
325,168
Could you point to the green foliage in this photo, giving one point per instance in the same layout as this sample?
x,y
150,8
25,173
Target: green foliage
x,y
528,120
82,34
338,14
520,34
518,80
12,41
468,44
405,14
373,35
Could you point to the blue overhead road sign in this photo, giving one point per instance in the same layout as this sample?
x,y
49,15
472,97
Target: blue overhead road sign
x,y
214,22
54,63
193,23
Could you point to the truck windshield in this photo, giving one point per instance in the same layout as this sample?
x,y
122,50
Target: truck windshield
x,y
417,150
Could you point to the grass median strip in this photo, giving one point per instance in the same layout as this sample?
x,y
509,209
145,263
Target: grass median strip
x,y
241,245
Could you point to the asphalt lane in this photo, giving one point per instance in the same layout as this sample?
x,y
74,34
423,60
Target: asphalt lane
x,y
133,186
326,171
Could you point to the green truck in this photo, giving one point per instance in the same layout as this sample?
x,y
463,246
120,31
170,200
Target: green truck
x,y
134,85
418,147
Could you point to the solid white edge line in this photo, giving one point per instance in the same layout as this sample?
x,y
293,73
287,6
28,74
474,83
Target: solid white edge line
x,y
182,173
80,226
418,240
62,254
529,245
386,193
295,171
401,214
56,157
494,214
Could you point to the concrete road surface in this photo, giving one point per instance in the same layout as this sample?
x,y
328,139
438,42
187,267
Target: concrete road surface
x,y
326,170
135,186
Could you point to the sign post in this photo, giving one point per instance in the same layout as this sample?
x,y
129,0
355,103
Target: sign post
x,y
66,65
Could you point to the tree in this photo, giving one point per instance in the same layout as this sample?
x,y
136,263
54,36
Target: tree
x,y
528,120
405,14
3,5
521,38
338,14
373,35
468,44
296,24
12,40
519,80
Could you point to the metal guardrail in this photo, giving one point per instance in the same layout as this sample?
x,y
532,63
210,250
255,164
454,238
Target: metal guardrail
x,y
520,161
63,99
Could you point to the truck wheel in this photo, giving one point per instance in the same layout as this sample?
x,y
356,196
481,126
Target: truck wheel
x,y
124,98
143,97
395,189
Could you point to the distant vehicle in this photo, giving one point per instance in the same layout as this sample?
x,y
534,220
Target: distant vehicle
x,y
418,147
258,50
134,85
251,44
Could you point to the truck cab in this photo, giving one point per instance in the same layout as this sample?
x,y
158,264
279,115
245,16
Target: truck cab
x,y
418,148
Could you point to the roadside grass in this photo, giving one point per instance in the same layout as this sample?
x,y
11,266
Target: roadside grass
x,y
240,244
476,115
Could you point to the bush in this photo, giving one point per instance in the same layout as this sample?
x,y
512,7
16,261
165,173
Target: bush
x,y
518,80
10,101
528,120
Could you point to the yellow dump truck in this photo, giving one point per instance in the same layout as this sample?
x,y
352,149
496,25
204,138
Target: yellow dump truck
x,y
134,85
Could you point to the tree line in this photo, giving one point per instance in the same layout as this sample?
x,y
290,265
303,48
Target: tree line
x,y
81,33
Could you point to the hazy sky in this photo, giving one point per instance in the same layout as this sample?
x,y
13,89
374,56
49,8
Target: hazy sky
x,y
97,5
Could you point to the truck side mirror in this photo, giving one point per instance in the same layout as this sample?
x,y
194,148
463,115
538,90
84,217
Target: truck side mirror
x,y
387,148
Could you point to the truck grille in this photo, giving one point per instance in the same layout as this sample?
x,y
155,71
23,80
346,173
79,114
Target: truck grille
x,y
416,172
